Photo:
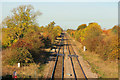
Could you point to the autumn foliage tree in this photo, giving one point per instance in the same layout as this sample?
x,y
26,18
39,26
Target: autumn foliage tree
x,y
71,32
102,42
90,36
17,25
82,26
23,38
78,31
51,31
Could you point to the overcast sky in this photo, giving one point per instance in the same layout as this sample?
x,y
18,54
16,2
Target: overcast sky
x,y
70,14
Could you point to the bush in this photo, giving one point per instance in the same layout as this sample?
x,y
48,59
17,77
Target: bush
x,y
108,48
16,55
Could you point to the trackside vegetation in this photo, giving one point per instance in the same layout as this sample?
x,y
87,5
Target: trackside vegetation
x,y
23,40
102,42
102,48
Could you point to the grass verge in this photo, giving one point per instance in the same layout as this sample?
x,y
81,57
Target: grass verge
x,y
104,69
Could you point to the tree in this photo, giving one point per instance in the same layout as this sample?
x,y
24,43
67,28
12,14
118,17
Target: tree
x,y
115,29
78,31
82,26
90,36
18,24
52,31
58,30
77,35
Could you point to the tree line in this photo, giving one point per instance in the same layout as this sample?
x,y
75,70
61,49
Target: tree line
x,y
101,41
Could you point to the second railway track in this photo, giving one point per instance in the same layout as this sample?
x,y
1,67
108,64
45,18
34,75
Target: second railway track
x,y
76,68
58,71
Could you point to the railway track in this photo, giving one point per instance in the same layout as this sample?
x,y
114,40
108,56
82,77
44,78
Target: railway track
x,y
79,63
63,61
59,63
78,71
58,71
72,62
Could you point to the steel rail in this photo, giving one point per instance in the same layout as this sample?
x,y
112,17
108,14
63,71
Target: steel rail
x,y
72,63
52,77
63,60
79,63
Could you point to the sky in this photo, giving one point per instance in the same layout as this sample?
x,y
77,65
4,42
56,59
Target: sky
x,y
69,15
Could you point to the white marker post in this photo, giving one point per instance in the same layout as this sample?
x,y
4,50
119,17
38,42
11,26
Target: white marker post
x,y
18,64
84,48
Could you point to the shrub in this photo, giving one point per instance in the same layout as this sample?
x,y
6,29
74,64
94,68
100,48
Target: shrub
x,y
13,56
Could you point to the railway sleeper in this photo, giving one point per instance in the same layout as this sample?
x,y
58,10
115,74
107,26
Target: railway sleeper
x,y
73,55
60,54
